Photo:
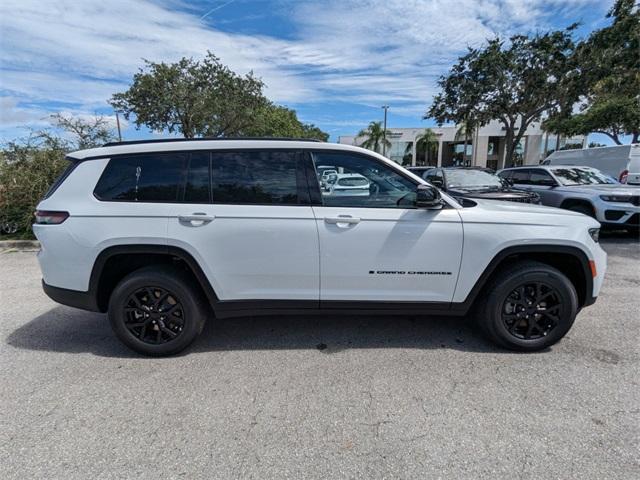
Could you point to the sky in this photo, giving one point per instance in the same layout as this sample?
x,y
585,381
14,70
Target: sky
x,y
336,62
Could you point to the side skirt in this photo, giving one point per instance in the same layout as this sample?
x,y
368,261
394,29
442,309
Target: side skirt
x,y
246,308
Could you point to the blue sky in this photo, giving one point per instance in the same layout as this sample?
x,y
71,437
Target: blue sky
x,y
334,61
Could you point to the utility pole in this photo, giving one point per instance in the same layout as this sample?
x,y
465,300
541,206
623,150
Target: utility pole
x,y
384,131
118,124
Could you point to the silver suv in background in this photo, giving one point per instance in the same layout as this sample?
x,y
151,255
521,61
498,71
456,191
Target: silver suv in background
x,y
581,189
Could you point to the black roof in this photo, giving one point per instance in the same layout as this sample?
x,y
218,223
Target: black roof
x,y
208,139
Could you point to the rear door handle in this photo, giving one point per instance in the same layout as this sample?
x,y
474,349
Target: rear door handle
x,y
196,219
348,219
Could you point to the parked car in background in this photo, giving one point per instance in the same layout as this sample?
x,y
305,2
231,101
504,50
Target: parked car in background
x,y
581,189
420,171
470,182
622,162
351,184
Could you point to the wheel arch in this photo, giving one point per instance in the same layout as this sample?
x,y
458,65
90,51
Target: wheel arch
x,y
115,262
571,261
567,203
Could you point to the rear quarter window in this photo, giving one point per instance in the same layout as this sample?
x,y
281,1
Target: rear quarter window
x,y
155,177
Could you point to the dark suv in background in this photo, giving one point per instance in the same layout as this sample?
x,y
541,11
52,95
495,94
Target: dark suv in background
x,y
477,183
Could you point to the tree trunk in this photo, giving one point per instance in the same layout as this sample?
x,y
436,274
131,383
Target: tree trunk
x,y
508,147
635,137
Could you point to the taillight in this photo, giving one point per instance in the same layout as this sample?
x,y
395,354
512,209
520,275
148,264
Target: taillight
x,y
45,217
623,176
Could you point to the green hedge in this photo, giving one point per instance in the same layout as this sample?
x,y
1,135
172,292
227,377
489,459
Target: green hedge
x,y
26,173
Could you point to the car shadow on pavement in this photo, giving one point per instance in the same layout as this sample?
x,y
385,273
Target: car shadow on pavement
x,y
68,330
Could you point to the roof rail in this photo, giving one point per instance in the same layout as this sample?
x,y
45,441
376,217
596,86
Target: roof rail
x,y
208,139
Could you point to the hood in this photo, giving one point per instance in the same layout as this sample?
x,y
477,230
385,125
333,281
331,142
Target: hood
x,y
490,193
524,214
614,189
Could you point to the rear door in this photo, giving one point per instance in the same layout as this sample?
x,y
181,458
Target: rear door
x,y
246,217
378,247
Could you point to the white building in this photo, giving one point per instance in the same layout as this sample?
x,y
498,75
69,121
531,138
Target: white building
x,y
485,147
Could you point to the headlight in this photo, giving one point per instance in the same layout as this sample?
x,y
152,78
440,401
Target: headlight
x,y
616,198
595,234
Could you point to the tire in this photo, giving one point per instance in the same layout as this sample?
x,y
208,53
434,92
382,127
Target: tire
x,y
582,208
507,319
156,311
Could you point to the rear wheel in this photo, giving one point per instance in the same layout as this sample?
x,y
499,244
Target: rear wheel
x,y
528,307
156,311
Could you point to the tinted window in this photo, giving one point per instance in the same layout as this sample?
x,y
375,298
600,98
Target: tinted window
x,y
506,174
255,177
151,177
372,183
197,189
541,177
471,178
520,177
582,176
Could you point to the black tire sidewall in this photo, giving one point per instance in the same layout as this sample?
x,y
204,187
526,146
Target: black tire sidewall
x,y
508,283
191,304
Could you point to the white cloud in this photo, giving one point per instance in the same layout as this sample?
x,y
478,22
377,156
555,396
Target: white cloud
x,y
75,54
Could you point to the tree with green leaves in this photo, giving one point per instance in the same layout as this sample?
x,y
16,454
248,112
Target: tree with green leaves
x,y
427,146
374,137
272,120
206,98
193,98
514,82
609,62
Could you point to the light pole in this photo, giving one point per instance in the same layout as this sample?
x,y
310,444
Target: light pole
x,y
384,131
118,123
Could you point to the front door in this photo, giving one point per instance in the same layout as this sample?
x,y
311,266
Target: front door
x,y
374,244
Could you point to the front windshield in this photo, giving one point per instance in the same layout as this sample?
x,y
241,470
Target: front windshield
x,y
471,179
582,176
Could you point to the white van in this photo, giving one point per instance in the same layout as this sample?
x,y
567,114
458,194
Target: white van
x,y
622,162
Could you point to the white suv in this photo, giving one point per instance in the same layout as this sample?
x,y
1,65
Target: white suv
x,y
163,234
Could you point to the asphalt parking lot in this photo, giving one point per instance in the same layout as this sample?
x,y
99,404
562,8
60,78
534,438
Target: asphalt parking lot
x,y
319,397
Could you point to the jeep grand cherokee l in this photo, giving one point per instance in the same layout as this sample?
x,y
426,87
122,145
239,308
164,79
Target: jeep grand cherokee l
x,y
162,235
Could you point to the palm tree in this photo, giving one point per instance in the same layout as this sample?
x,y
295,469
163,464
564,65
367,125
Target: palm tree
x,y
427,142
374,136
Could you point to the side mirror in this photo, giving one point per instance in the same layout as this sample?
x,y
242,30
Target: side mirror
x,y
437,182
428,197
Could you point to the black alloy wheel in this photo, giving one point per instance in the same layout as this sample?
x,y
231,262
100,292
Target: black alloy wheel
x,y
154,315
531,310
527,306
158,310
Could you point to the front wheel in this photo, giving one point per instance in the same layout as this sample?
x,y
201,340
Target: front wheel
x,y
528,307
157,311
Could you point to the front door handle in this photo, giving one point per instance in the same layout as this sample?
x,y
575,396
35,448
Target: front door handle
x,y
342,219
197,219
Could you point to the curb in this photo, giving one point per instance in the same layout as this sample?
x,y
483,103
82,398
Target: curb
x,y
19,246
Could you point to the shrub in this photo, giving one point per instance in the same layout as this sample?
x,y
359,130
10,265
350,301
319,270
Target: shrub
x,y
26,172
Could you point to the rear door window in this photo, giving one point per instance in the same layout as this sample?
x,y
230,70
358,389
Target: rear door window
x,y
257,177
153,177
